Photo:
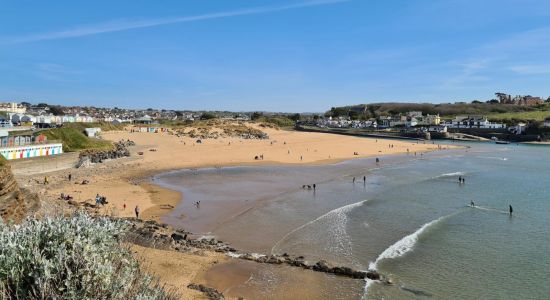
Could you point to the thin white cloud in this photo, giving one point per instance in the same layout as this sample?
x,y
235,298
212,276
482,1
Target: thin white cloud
x,y
531,69
123,25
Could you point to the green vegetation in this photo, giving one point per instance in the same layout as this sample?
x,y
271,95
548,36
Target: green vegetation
x,y
208,116
3,161
279,120
73,138
539,115
376,110
71,258
105,126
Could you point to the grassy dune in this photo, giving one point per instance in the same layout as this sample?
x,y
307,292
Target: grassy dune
x,y
73,138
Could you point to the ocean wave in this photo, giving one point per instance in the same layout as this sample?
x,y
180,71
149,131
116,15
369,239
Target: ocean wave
x,y
368,284
403,246
239,255
339,213
494,157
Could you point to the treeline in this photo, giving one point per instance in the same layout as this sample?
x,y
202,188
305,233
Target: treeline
x,y
376,110
281,120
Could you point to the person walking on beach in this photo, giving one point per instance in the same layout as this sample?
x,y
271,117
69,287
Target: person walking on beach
x,y
353,179
46,180
511,210
137,211
314,186
70,176
364,179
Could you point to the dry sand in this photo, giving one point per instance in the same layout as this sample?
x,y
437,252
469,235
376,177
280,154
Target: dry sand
x,y
125,181
175,270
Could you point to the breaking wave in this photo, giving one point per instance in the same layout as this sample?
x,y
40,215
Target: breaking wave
x,y
338,215
404,245
453,174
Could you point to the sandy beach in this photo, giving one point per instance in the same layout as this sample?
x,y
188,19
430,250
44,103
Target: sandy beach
x,y
126,182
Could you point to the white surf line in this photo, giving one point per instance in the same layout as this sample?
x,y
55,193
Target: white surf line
x,y
343,209
459,173
401,247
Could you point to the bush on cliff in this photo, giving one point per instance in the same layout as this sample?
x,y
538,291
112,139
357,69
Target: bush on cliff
x,y
71,258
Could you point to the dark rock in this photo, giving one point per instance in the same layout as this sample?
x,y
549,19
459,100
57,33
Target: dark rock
x,y
209,292
178,237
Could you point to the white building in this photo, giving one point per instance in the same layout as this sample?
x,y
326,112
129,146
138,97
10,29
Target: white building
x,y
92,132
518,129
13,108
473,122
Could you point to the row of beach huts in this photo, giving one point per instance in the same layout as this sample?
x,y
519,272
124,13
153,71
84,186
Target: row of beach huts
x,y
26,145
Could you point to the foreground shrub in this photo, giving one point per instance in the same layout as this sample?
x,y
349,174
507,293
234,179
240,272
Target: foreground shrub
x,y
71,258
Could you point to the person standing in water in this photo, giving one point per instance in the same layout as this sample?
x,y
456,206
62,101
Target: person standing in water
x,y
472,203
314,186
511,210
353,179
364,179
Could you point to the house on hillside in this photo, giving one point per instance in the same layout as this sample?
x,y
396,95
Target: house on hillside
x,y
518,129
144,120
473,122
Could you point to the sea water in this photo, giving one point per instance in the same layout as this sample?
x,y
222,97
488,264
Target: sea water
x,y
410,220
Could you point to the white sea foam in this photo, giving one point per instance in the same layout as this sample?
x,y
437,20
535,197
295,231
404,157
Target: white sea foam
x,y
494,157
368,283
338,213
234,255
402,246
453,174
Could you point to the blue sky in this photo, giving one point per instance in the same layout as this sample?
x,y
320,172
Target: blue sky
x,y
285,55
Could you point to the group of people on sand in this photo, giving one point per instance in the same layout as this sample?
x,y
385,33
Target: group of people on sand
x,y
461,180
198,204
259,157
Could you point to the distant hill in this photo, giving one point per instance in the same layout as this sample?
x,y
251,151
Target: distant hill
x,y
375,110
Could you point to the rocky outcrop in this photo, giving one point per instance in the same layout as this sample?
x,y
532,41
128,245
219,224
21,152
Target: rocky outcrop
x,y
15,203
210,293
153,234
98,156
